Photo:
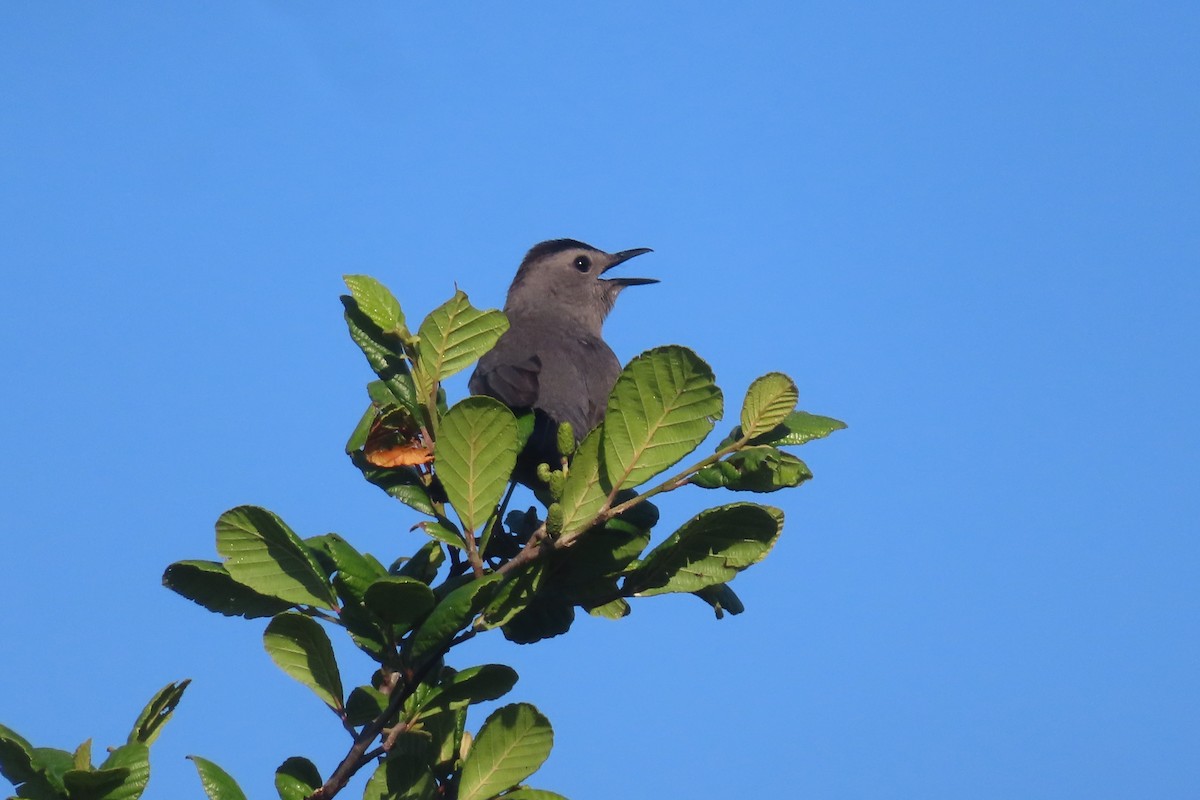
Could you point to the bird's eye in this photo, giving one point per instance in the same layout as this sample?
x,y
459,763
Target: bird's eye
x,y
583,263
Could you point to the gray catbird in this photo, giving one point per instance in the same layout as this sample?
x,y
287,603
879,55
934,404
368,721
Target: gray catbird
x,y
552,358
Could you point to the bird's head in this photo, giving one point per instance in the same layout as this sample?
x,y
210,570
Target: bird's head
x,y
562,279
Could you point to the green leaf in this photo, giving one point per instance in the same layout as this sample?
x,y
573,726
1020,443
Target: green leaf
x,y
402,483
614,609
450,616
385,354
297,778
549,614
364,704
798,428
156,713
423,565
769,401
263,553
94,784
401,776
722,599
83,756
16,758
400,602
525,793
217,783
474,456
453,336
754,469
53,764
379,304
358,437
514,741
586,488
301,648
710,548
208,583
446,534
515,594
663,405
357,571
134,759
470,686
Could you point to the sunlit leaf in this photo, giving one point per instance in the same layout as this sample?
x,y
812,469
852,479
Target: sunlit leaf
x,y
453,336
663,405
586,488
263,553
514,741
710,548
768,402
156,713
379,304
476,450
217,783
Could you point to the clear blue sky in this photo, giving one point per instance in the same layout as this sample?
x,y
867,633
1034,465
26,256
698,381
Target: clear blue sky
x,y
972,231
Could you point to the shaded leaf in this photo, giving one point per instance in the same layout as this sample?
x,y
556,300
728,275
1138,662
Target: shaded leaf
x,y
469,686
301,648
401,776
384,353
400,601
423,565
451,615
549,614
89,784
263,553
16,757
297,778
217,783
769,401
445,534
364,704
754,469
722,599
515,594
403,483
156,713
710,548
514,741
209,584
476,450
525,793
663,405
358,436
357,571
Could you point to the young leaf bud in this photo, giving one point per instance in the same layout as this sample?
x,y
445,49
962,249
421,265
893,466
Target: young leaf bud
x,y
566,440
554,519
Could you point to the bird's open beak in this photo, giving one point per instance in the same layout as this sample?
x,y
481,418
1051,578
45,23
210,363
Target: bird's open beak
x,y
622,257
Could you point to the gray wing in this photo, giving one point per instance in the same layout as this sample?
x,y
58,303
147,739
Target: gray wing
x,y
514,383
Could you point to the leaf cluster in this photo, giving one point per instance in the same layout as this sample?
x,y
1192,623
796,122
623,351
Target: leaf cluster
x,y
482,566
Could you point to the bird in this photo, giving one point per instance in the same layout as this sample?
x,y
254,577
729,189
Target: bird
x,y
553,359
